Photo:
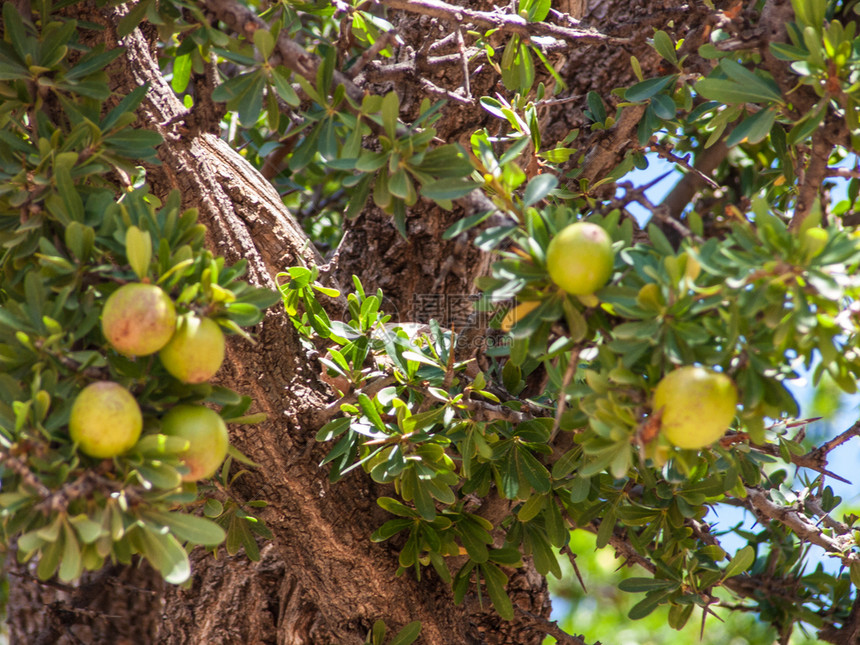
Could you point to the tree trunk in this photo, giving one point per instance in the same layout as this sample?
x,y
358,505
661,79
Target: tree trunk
x,y
321,579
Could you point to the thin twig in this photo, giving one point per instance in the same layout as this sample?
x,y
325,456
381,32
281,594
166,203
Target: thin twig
x,y
464,62
665,152
707,160
369,54
562,397
329,412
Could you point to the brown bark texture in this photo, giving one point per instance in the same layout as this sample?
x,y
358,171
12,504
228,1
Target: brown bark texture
x,y
320,580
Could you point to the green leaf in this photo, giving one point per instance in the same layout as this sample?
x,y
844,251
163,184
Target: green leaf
x,y
94,61
421,496
391,527
409,634
745,78
190,528
665,47
264,42
635,585
80,240
243,93
742,86
395,507
742,561
531,508
663,106
854,573
538,188
181,73
784,51
535,473
71,564
538,10
475,540
399,184
369,409
648,88
138,250
496,581
88,530
752,129
648,605
596,107
448,188
74,205
390,113
167,555
804,128
463,225
49,559
377,632
213,508
281,81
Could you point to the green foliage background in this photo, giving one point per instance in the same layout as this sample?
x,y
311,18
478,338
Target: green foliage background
x,y
761,286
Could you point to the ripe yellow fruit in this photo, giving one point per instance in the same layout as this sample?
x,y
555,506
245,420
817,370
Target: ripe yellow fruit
x,y
698,405
206,433
105,420
579,259
195,352
138,319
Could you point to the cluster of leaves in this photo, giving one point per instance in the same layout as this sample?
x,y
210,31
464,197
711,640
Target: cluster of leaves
x,y
758,301
70,238
748,103
749,303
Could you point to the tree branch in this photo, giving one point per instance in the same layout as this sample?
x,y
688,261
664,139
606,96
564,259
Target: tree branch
x,y
761,505
812,177
508,22
551,628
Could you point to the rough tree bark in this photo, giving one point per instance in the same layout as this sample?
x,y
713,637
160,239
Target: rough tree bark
x,y
320,580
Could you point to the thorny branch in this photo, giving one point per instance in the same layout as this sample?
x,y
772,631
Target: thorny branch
x,y
551,628
764,508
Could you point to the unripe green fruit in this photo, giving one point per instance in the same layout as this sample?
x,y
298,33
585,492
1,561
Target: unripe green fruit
x,y
196,350
813,242
206,433
105,420
138,319
579,259
698,405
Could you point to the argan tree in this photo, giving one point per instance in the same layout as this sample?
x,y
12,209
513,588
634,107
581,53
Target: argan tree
x,y
449,341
